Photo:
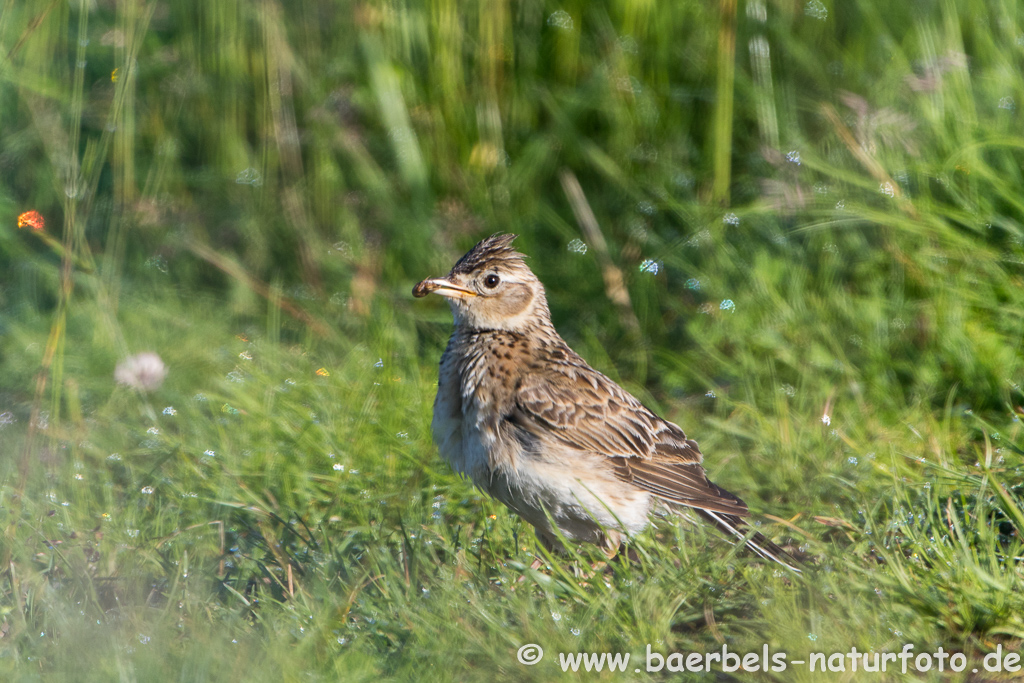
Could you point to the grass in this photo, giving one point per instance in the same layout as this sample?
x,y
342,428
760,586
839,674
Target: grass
x,y
815,209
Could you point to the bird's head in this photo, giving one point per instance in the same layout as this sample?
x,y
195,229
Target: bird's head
x,y
491,288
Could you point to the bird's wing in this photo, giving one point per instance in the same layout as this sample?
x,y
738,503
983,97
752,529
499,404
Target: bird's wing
x,y
585,410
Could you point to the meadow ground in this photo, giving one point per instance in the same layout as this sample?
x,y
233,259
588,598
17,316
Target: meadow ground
x,y
817,212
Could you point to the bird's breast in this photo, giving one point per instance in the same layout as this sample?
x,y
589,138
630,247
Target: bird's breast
x,y
446,425
473,396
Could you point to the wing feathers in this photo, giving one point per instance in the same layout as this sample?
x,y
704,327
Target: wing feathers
x,y
735,528
584,410
682,485
581,409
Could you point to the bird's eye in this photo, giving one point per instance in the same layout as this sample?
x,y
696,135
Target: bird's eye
x,y
491,281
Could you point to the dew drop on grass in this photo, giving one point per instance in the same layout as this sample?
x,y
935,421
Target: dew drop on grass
x,y
812,637
169,410
727,305
887,189
561,19
701,238
793,157
852,460
826,420
578,246
683,181
249,176
693,283
339,467
710,394
379,363
650,266
816,10
731,219
1007,103
147,490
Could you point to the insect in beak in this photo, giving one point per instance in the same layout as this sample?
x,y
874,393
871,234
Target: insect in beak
x,y
442,286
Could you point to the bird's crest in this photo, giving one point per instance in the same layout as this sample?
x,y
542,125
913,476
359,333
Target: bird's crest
x,y
494,248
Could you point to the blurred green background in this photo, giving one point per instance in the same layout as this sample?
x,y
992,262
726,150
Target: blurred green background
x,y
816,209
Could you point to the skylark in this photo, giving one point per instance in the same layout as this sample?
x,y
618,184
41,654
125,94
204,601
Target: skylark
x,y
530,423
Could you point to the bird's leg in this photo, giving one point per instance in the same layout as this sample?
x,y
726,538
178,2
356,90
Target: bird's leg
x,y
549,545
610,547
612,542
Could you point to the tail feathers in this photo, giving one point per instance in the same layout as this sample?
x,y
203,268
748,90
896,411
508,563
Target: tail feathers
x,y
736,529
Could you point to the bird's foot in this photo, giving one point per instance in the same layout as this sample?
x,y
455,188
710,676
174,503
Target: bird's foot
x,y
537,564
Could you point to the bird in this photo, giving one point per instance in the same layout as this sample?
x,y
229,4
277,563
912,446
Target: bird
x,y
533,425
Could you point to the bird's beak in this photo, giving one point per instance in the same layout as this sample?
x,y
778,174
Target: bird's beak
x,y
442,286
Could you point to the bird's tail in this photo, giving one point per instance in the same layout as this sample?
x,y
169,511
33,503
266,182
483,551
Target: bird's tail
x,y
736,529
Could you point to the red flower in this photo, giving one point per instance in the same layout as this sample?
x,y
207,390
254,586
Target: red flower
x,y
31,219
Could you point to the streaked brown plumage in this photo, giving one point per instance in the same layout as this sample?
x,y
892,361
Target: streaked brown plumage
x,y
562,445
